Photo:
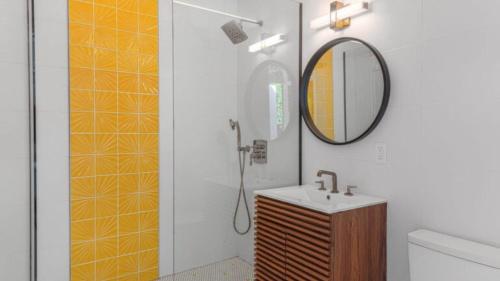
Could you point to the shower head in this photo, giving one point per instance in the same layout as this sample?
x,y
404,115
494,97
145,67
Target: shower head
x,y
233,124
234,30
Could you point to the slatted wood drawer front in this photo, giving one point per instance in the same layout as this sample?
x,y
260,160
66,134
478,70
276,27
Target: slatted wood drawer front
x,y
302,240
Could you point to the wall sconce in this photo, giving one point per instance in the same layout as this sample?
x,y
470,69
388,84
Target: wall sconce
x,y
340,15
267,43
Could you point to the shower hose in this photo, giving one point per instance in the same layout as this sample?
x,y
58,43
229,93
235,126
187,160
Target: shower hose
x,y
242,160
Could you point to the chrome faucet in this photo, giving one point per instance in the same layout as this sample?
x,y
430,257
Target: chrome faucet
x,y
334,179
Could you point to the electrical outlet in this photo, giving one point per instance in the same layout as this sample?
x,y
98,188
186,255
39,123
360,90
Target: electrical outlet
x,y
381,153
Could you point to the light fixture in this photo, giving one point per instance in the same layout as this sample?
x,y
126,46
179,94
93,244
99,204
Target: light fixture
x,y
267,43
340,15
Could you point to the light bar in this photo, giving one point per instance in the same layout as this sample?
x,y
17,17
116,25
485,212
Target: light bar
x,y
346,12
267,43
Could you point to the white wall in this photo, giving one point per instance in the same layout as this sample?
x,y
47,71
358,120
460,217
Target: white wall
x,y
14,142
441,127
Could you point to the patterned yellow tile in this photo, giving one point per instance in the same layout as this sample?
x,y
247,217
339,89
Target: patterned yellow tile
x,y
106,185
148,143
105,37
128,244
149,275
81,57
110,3
105,80
81,78
82,252
106,122
128,82
82,122
148,84
128,143
128,5
106,102
149,182
128,62
82,144
105,16
149,104
128,103
148,25
129,203
106,248
148,123
131,277
84,272
128,123
148,260
82,231
128,264
82,188
149,221
105,59
81,100
127,41
128,164
107,115
148,44
106,206
149,241
82,209
148,201
149,7
80,34
80,12
128,184
82,166
128,224
106,269
106,165
149,162
106,227
127,21
106,143
148,64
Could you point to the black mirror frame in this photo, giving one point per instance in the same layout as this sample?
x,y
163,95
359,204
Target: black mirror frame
x,y
305,85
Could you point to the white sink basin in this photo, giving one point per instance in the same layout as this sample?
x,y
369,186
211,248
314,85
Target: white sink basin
x,y
310,197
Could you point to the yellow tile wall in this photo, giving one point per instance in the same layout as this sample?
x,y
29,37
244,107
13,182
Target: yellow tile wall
x,y
113,51
321,95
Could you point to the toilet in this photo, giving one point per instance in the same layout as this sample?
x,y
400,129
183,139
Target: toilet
x,y
438,257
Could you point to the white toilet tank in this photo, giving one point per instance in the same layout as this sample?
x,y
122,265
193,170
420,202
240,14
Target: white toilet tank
x,y
439,257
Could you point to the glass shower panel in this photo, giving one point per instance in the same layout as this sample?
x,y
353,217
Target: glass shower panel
x,y
217,81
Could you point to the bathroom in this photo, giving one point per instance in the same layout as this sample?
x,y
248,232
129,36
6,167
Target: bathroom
x,y
205,107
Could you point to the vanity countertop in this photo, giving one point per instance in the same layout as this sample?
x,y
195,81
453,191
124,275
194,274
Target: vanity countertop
x,y
308,196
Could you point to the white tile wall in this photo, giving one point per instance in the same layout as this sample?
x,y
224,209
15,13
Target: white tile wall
x,y
14,143
52,139
443,171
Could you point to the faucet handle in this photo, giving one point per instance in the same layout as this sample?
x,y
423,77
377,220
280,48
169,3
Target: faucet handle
x,y
322,183
349,190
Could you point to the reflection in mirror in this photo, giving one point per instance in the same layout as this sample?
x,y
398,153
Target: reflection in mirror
x,y
268,100
345,92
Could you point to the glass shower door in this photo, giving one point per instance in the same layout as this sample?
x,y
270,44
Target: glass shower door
x,y
236,115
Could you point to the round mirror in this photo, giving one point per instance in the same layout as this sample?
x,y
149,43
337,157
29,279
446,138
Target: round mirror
x,y
345,91
268,103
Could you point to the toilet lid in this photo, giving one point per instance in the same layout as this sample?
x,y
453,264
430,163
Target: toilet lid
x,y
453,246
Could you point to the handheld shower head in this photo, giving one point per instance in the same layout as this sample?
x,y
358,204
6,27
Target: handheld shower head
x,y
235,125
235,32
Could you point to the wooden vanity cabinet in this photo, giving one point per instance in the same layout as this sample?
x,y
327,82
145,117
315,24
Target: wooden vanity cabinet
x,y
294,243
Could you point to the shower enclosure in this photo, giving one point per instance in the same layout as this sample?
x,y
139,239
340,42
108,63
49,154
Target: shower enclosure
x,y
140,174
217,78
